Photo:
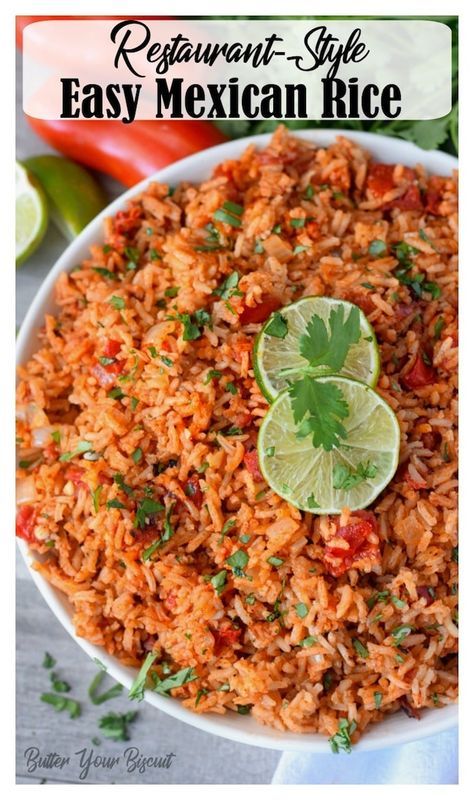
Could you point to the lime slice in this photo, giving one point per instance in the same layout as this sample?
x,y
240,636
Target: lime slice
x,y
74,195
361,464
278,361
31,214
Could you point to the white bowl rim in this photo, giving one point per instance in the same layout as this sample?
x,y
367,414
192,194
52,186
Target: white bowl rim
x,y
393,730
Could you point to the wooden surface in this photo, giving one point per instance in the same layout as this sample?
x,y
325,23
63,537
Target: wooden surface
x,y
199,757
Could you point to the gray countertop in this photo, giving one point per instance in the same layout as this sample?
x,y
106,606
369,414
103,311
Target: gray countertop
x,y
198,757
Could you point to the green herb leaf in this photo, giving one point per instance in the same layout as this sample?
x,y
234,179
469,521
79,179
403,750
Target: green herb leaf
x,y
98,699
219,581
168,530
213,373
96,497
48,661
400,633
360,648
137,455
60,703
115,503
228,287
230,219
172,291
115,726
277,326
275,561
145,509
321,348
244,709
319,407
342,739
106,273
238,561
117,302
345,478
378,697
301,609
308,642
82,447
56,436
180,678
250,599
137,690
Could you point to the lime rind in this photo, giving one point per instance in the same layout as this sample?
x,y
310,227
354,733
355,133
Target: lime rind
x,y
31,214
271,356
300,473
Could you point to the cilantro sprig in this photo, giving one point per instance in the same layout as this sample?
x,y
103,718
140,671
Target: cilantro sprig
x,y
319,409
323,348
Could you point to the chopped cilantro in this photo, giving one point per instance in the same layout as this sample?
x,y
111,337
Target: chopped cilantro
x,y
165,685
137,690
219,581
137,455
117,302
301,609
82,447
342,739
277,326
48,661
56,436
378,696
400,633
308,642
238,561
231,387
96,497
145,509
275,561
106,273
360,648
228,287
115,726
98,699
213,373
61,703
345,478
172,291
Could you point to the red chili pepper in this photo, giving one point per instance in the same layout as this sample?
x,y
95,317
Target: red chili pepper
x,y
259,313
128,222
25,523
253,466
420,375
128,153
338,559
111,348
193,490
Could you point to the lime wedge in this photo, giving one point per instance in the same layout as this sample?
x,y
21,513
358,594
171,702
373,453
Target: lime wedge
x,y
74,195
352,473
31,214
277,361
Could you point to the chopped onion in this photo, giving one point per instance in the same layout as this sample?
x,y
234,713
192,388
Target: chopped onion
x,y
41,436
25,490
158,332
276,247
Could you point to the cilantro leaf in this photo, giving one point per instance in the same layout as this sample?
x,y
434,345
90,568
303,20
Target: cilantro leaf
x,y
277,326
346,478
321,348
342,739
319,407
137,690
114,726
98,699
164,686
228,287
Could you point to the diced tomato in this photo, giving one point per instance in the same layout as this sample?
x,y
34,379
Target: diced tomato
x,y
252,464
261,312
51,451
380,179
25,523
104,375
226,637
424,591
243,419
111,348
127,222
420,375
433,196
338,559
409,201
75,475
193,490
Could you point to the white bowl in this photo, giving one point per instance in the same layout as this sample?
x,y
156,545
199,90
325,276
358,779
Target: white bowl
x,y
395,729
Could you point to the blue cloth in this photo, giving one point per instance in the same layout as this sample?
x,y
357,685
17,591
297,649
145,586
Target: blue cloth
x,y
433,760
